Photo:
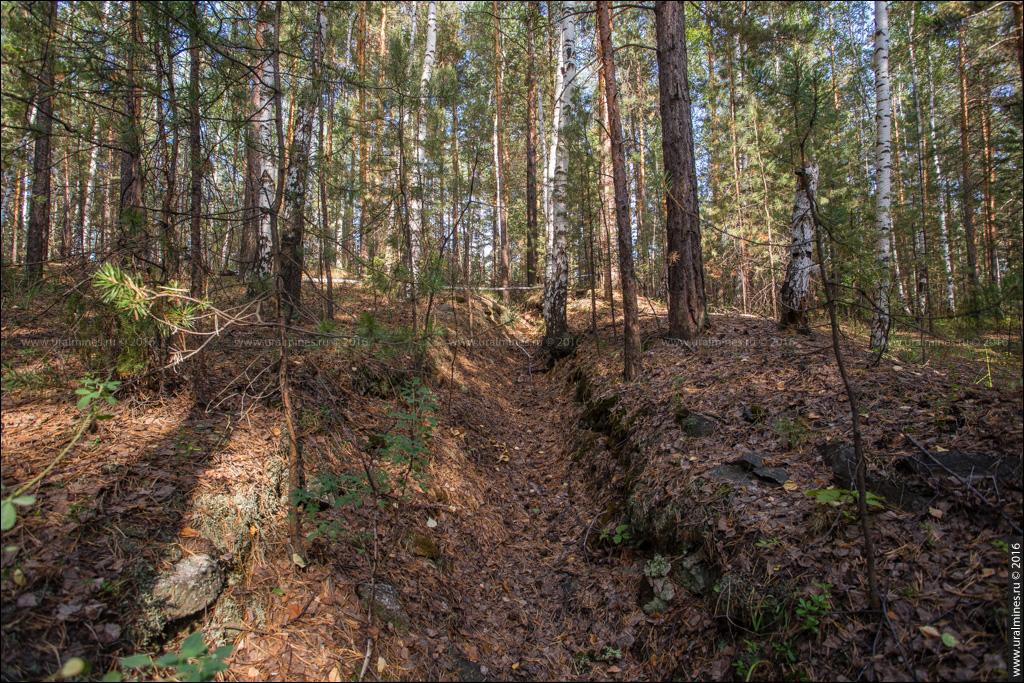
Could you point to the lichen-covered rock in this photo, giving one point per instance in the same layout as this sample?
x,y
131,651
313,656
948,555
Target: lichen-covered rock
x,y
387,604
693,574
225,622
655,606
228,518
193,584
421,545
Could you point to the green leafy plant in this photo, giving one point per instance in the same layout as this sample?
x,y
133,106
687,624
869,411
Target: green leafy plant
x,y
193,662
619,534
843,499
401,457
749,660
814,608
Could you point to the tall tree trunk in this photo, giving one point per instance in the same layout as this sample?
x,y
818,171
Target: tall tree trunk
x,y
767,216
801,255
167,217
630,314
499,159
531,147
920,235
741,271
942,194
131,213
415,217
265,164
966,187
991,237
36,241
363,133
607,189
883,169
640,183
195,157
295,190
556,326
687,306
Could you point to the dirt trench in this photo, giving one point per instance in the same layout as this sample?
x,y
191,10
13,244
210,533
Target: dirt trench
x,y
528,587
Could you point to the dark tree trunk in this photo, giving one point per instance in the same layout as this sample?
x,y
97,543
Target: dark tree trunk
x,y
531,151
966,189
130,210
195,159
39,213
630,320
686,302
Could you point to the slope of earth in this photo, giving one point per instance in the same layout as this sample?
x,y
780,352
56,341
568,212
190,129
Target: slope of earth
x,y
565,525
493,562
728,459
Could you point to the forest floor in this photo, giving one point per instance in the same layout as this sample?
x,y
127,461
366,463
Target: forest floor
x,y
522,554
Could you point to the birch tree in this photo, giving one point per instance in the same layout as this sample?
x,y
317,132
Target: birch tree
x,y
295,188
883,170
264,140
801,252
556,327
941,198
419,149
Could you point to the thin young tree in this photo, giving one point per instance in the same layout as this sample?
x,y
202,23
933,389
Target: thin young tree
x,y
195,156
687,306
630,314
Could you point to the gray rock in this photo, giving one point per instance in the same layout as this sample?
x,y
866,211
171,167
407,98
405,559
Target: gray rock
x,y
750,461
693,574
776,475
694,424
1007,470
192,585
655,606
387,604
842,460
732,472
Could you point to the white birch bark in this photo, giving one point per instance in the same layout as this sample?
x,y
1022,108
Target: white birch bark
x,y
264,123
940,197
801,252
557,268
883,170
419,151
90,191
545,184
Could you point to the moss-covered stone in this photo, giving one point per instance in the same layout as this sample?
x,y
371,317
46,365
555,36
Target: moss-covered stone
x,y
694,424
693,573
420,544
